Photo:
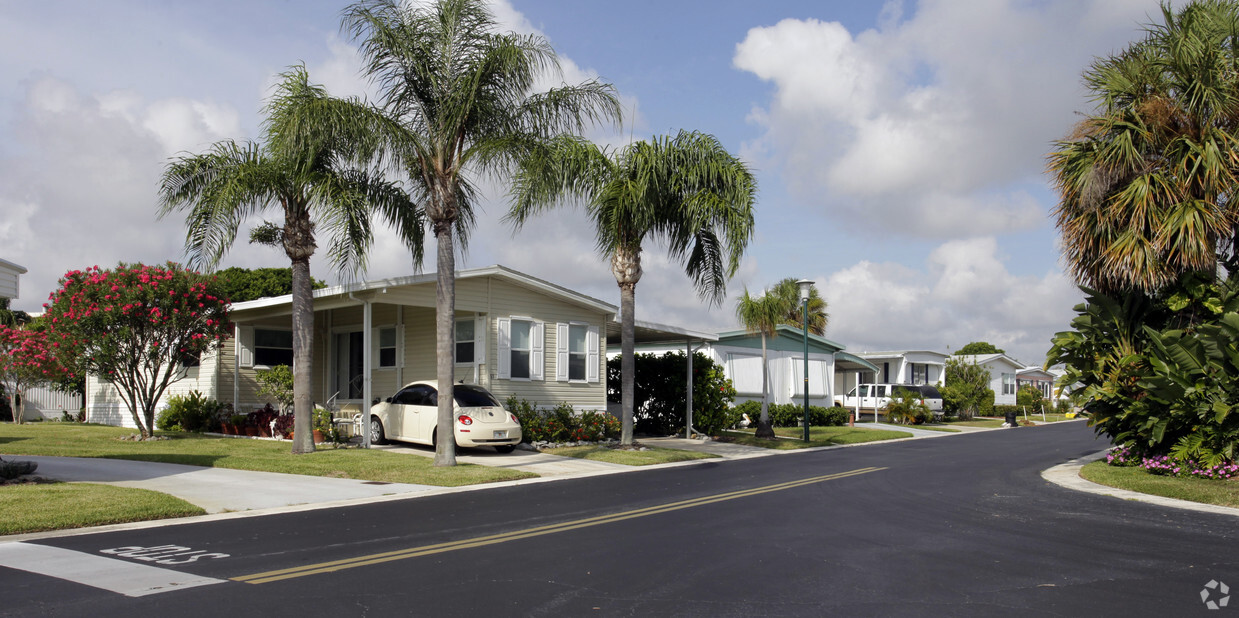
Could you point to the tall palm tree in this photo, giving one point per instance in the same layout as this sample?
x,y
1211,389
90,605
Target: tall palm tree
x,y
763,315
789,291
464,97
686,191
1147,181
307,169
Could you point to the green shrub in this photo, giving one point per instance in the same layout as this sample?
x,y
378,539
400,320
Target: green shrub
x,y
751,408
561,423
660,393
792,414
277,383
1030,398
194,412
1002,409
986,406
1063,406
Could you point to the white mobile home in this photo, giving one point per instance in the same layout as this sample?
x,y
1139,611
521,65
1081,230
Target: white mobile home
x,y
1003,372
897,367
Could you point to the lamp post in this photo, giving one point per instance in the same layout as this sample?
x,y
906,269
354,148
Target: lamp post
x,y
805,286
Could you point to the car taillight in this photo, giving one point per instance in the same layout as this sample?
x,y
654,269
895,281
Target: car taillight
x,y
512,417
464,419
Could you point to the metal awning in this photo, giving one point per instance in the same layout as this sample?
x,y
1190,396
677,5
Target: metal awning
x,y
850,362
654,333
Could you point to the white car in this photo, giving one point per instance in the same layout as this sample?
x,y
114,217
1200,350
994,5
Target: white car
x,y
412,415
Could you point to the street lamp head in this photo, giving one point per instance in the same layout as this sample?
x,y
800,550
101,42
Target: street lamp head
x,y
805,286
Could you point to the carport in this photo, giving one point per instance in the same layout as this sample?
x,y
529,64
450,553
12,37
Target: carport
x,y
654,334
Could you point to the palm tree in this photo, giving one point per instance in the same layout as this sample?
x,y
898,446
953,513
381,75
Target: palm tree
x,y
686,191
789,291
305,168
463,95
763,315
1147,181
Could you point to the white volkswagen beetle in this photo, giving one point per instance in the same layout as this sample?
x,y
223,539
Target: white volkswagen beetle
x,y
412,415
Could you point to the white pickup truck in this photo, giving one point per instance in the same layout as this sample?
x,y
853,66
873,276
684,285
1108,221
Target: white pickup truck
x,y
876,396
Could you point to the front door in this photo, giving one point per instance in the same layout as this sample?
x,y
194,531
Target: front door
x,y
349,365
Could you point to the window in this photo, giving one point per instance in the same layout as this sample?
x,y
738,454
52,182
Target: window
x,y
387,346
273,347
417,395
1008,383
465,335
189,360
920,373
520,353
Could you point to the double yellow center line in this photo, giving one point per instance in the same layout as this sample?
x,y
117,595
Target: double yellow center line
x,y
426,550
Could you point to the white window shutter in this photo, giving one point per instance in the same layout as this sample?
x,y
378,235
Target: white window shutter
x,y
375,338
561,352
592,358
504,348
245,345
479,340
537,354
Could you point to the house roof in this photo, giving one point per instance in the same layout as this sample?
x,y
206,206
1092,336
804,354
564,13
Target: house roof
x,y
783,331
647,332
898,353
21,270
982,359
1035,371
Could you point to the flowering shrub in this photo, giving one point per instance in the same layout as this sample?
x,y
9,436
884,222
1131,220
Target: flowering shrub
x,y
562,424
26,359
133,326
1163,465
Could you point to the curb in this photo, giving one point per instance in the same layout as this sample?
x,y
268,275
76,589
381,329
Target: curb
x,y
1067,475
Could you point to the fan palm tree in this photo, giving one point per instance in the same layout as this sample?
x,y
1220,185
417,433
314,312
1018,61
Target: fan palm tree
x,y
686,191
305,169
1147,181
763,315
463,95
789,291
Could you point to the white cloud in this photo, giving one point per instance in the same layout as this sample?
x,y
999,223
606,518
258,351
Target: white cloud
x,y
966,294
921,122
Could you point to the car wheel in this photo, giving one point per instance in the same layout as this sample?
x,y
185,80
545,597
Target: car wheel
x,y
505,448
376,431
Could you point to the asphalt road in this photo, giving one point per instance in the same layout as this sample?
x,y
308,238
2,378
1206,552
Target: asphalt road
x,y
956,526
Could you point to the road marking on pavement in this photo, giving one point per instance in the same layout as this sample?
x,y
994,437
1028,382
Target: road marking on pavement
x,y
127,578
414,552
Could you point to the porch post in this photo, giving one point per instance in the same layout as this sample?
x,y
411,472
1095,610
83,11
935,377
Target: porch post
x,y
367,351
236,369
688,409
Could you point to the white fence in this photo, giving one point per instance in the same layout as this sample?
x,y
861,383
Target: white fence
x,y
50,403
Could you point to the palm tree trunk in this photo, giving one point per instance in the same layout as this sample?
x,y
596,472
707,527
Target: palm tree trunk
x,y
445,341
765,429
626,266
303,356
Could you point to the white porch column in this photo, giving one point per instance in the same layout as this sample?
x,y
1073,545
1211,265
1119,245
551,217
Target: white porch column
x,y
367,367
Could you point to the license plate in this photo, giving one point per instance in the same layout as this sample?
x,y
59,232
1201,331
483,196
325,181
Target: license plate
x,y
501,434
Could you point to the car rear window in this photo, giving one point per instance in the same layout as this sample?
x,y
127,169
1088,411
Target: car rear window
x,y
470,396
930,392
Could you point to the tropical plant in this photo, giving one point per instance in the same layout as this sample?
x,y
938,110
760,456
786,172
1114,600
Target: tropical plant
x,y
133,325
907,408
762,315
277,383
789,290
308,169
464,98
686,191
1030,399
1147,180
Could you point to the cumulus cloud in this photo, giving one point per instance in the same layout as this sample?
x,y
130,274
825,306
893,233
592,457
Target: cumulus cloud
x,y
925,121
966,294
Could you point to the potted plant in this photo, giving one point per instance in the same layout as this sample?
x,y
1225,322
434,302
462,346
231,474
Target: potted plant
x,y
284,426
261,420
322,425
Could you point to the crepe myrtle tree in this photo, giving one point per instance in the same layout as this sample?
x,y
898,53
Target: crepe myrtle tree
x,y
134,326
27,359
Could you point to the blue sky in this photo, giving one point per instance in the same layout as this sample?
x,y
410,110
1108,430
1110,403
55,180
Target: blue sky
x,y
899,146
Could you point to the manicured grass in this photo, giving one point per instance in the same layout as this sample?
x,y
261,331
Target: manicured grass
x,y
937,428
76,440
1225,493
653,455
790,437
77,505
977,422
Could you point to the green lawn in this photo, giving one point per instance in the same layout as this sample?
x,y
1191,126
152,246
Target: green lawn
x,y
818,436
979,421
937,427
627,457
1225,493
77,505
76,440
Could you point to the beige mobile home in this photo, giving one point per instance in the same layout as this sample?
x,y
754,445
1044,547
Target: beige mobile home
x,y
515,335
